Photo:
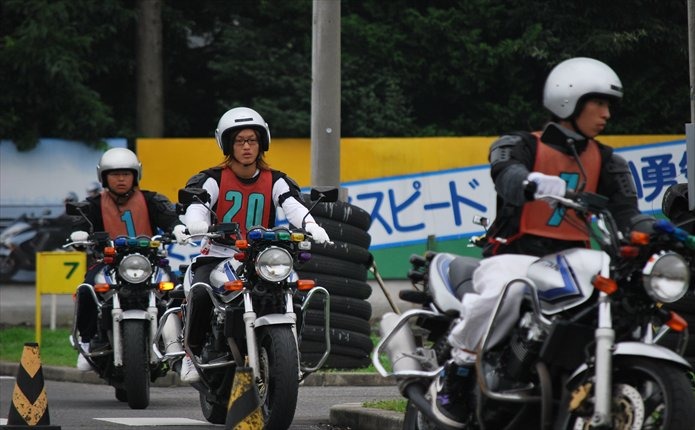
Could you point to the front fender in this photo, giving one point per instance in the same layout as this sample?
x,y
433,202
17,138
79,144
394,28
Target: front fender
x,y
639,349
135,314
275,319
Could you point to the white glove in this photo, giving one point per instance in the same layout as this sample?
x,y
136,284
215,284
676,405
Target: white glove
x,y
318,234
181,237
79,236
198,228
547,185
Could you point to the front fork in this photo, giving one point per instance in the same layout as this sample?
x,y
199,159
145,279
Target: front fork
x,y
603,373
118,315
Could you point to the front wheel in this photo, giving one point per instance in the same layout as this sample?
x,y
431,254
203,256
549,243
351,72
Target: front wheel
x,y
647,394
136,368
278,386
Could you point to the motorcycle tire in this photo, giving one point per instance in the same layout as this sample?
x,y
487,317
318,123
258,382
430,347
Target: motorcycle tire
x,y
343,251
345,232
339,286
214,413
333,266
9,266
341,211
338,320
339,337
344,305
659,391
121,395
337,361
277,351
136,368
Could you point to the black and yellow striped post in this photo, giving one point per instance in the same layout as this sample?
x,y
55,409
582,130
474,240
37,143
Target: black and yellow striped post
x,y
244,408
29,407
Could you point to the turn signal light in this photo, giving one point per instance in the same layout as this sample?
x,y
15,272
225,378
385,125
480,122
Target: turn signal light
x,y
629,251
305,284
639,238
240,256
109,251
677,322
108,260
102,288
606,285
234,285
166,286
241,244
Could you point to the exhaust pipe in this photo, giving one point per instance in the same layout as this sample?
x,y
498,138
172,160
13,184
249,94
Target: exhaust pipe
x,y
401,345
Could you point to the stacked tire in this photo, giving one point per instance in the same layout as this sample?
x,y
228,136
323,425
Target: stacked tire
x,y
341,268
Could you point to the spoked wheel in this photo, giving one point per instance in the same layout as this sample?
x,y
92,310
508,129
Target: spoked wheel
x,y
279,376
136,368
647,394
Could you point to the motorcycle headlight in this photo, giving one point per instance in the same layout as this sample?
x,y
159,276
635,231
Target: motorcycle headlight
x,y
666,277
135,268
274,264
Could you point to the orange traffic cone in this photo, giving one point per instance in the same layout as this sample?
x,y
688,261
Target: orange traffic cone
x,y
29,406
244,408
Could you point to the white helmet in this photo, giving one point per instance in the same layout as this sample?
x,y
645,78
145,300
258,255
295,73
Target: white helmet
x,y
119,159
239,119
573,79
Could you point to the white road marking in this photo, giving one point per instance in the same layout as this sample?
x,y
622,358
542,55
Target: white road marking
x,y
168,421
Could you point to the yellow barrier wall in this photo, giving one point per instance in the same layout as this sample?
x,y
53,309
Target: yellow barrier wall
x,y
168,163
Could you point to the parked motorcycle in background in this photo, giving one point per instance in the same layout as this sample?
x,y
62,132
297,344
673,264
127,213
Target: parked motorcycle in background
x,y
27,235
130,293
583,351
255,321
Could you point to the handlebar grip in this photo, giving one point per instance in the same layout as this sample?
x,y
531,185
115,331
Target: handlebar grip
x,y
530,189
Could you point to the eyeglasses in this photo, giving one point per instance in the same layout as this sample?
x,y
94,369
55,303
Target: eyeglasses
x,y
251,141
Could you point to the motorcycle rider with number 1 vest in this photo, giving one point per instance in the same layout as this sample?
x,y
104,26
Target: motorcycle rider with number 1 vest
x,y
121,209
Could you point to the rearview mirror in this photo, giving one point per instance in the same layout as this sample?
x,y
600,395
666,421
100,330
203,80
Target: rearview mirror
x,y
325,194
189,196
77,208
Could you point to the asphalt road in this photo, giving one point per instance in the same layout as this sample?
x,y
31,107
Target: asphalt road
x,y
89,406
18,303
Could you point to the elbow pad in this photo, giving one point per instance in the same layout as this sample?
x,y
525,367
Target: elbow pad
x,y
501,149
619,172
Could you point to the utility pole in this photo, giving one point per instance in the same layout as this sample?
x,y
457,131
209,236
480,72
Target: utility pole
x,y
150,94
690,128
325,94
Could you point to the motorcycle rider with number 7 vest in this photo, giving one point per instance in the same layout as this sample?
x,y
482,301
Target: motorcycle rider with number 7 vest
x,y
578,93
245,190
121,208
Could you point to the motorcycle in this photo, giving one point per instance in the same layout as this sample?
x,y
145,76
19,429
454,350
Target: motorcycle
x,y
24,237
130,292
583,350
255,321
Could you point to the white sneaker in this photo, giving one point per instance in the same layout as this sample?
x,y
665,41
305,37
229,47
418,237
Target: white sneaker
x,y
188,371
82,363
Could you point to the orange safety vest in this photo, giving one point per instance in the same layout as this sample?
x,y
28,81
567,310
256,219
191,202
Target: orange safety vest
x,y
246,204
538,217
130,219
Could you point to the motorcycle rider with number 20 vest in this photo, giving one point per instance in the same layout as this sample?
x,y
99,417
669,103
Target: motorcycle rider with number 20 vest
x,y
242,189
